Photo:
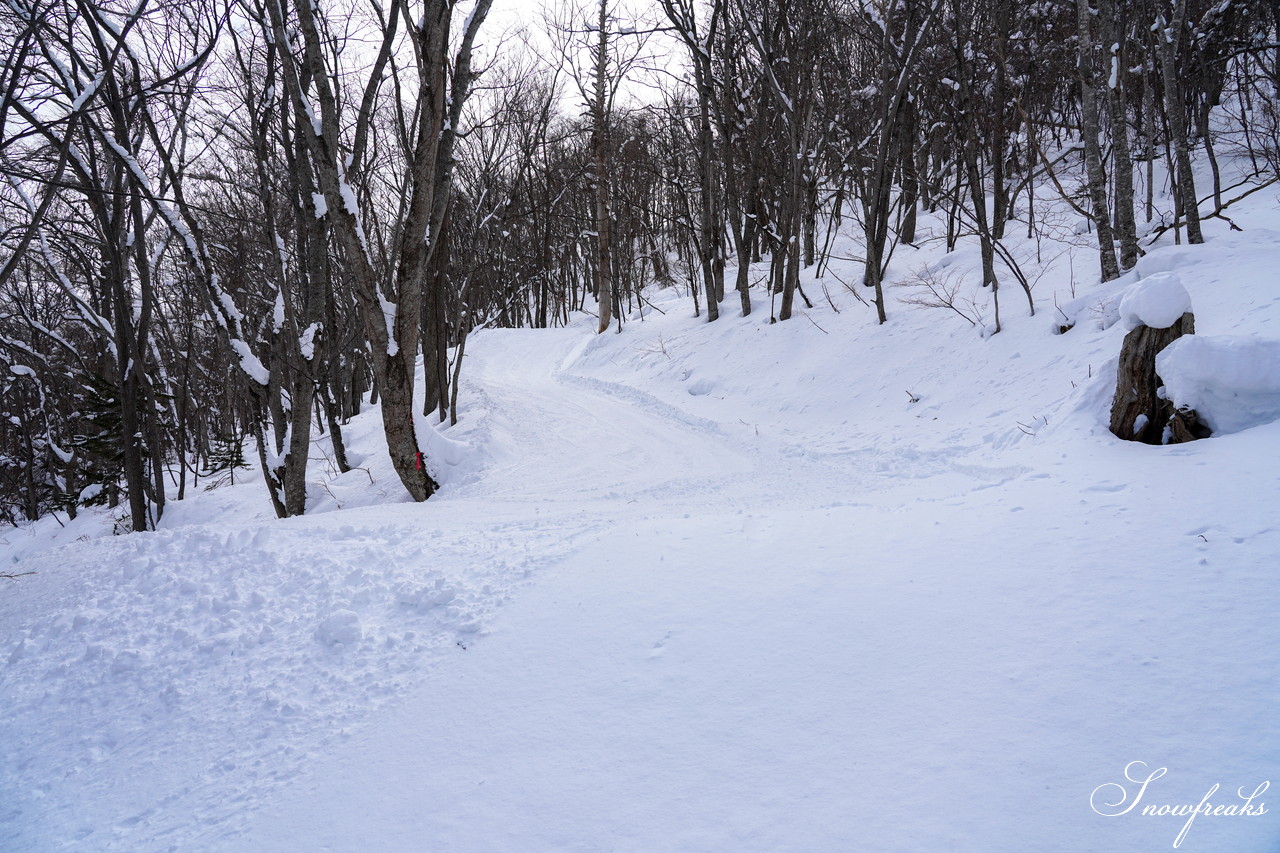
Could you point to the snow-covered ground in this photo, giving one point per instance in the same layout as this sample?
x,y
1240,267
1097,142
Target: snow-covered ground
x,y
809,586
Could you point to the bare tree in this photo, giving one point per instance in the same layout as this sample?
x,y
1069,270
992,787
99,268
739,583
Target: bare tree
x,y
599,51
1114,24
683,17
897,38
1091,131
388,279
110,96
1171,35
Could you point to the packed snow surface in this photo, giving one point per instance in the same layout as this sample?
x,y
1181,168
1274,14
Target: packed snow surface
x,y
807,586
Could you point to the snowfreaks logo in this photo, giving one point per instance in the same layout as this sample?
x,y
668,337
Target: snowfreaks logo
x,y
1112,800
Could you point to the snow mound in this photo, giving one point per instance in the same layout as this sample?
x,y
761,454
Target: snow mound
x,y
341,627
1157,302
1095,310
1233,382
448,459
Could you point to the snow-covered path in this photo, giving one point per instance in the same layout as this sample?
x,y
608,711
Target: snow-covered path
x,y
665,615
755,651
571,441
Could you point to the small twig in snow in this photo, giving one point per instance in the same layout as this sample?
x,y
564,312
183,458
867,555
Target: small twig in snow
x,y
811,320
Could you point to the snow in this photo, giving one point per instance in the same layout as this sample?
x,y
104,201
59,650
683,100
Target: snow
x,y
701,587
276,460
340,628
278,314
349,198
307,341
470,19
1157,302
321,206
389,316
250,363
447,459
317,126
228,304
1232,381
65,455
352,206
83,97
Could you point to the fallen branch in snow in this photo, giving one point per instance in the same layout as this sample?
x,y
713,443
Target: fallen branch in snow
x,y
659,348
811,320
651,305
1217,213
1033,427
322,484
830,301
14,577
849,287
934,289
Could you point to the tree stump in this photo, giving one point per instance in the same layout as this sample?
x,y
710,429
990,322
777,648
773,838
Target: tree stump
x,y
1138,412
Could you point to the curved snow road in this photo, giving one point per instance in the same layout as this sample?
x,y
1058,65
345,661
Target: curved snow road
x,y
640,629
558,437
736,656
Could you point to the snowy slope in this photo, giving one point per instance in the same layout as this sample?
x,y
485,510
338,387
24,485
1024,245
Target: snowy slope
x,y
690,587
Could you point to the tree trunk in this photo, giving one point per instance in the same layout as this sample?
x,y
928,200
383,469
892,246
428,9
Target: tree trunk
x,y
1122,160
1176,112
1138,411
391,302
1000,202
1090,130
1149,137
910,176
712,243
599,155
979,198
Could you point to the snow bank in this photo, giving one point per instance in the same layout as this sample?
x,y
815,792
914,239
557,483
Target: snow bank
x,y
1103,309
1157,302
1233,382
447,459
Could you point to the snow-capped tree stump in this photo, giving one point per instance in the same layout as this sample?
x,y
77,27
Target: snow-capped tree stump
x,y
1157,311
1138,412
